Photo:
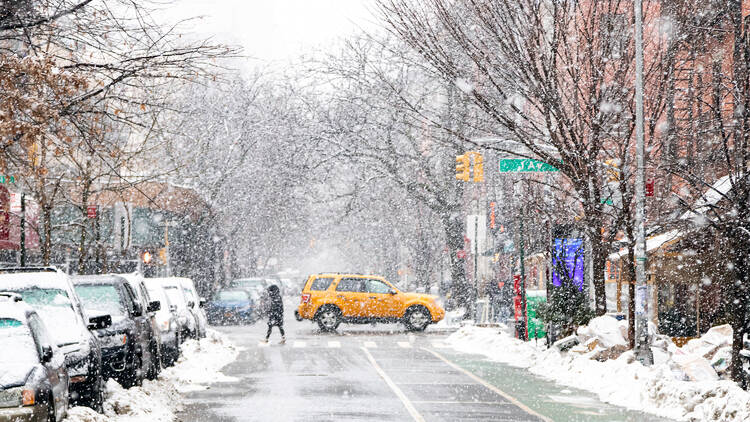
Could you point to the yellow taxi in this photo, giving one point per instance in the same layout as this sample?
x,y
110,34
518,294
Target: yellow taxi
x,y
330,299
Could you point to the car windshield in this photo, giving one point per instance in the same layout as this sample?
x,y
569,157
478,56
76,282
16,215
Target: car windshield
x,y
101,299
18,348
157,293
175,296
249,283
189,294
56,310
232,295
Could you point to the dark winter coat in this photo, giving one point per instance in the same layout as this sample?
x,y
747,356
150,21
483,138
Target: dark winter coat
x,y
275,306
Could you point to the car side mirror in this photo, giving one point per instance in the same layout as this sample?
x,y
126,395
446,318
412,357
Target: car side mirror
x,y
202,302
191,304
154,306
99,322
137,310
393,291
47,354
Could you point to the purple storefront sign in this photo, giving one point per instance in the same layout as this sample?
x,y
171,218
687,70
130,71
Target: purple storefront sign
x,y
571,253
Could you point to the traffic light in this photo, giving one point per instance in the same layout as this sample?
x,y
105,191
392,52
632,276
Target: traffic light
x,y
146,257
478,166
463,164
163,255
613,170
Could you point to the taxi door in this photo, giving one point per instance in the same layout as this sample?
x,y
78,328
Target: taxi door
x,y
382,302
350,297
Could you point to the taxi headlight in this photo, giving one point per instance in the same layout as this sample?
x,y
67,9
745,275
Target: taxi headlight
x,y
114,340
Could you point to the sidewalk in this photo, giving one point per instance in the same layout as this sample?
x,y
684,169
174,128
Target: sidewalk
x,y
662,389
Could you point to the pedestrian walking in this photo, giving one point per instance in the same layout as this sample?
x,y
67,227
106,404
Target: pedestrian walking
x,y
275,312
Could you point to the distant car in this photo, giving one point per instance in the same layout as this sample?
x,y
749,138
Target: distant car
x,y
152,305
51,294
330,299
33,377
195,304
232,306
174,291
167,321
254,283
128,345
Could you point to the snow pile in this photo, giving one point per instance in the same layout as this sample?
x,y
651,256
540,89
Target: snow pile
x,y
157,401
201,361
682,384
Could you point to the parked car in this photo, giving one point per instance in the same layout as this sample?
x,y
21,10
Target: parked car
x,y
128,349
152,305
33,377
167,321
232,306
51,294
195,305
173,289
330,299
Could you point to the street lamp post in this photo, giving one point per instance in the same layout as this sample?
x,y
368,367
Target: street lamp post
x,y
642,351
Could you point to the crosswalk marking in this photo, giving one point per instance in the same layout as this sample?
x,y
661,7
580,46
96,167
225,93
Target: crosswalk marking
x,y
298,344
334,344
370,344
404,344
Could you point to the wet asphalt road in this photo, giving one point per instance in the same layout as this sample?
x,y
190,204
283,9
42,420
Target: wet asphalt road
x,y
380,373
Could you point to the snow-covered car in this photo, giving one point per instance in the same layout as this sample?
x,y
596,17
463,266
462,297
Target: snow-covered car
x,y
174,291
195,304
128,345
167,322
33,377
151,305
50,292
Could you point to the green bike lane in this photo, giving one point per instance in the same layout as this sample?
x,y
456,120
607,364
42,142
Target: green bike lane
x,y
557,402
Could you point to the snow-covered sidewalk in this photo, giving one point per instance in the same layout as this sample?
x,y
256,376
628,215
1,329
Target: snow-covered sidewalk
x,y
159,400
663,389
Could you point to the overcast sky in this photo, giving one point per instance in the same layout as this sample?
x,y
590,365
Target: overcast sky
x,y
275,30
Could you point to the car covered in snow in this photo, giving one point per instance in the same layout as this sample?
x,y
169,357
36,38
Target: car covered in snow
x,y
232,306
167,322
33,377
195,305
151,305
174,291
128,344
50,293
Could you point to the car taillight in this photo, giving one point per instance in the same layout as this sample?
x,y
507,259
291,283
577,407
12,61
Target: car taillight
x,y
306,298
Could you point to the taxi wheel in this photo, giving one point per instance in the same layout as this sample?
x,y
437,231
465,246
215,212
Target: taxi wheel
x,y
417,318
329,318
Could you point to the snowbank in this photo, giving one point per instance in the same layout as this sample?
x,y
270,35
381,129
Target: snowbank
x,y
157,401
663,389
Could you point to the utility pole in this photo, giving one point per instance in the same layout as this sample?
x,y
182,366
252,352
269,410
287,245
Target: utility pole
x,y
23,229
642,350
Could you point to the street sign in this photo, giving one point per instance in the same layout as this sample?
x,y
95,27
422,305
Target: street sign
x,y
91,211
7,179
525,165
461,254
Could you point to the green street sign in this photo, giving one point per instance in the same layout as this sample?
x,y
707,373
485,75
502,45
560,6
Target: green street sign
x,y
7,179
524,165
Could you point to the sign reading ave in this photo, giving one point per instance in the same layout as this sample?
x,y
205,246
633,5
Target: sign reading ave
x,y
524,165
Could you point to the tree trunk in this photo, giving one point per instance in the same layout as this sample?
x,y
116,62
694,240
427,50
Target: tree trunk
x,y
82,253
737,301
454,237
47,224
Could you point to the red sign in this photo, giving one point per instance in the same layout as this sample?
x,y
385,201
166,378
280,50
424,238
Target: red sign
x,y
492,215
649,187
461,254
91,211
500,284
517,284
517,311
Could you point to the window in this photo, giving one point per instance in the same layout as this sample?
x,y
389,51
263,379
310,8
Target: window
x,y
101,299
40,333
350,285
377,286
321,284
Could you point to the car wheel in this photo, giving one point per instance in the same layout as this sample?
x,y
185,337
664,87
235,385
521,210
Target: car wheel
x,y
417,319
97,400
329,318
153,368
134,377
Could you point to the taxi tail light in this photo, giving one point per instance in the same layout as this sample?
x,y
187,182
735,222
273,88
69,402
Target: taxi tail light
x,y
28,397
306,298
